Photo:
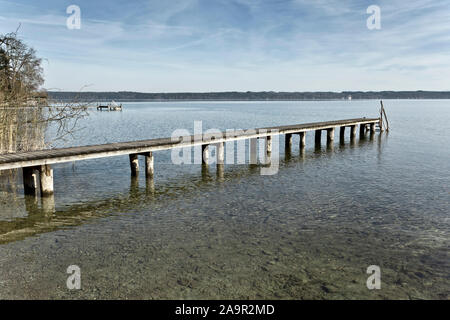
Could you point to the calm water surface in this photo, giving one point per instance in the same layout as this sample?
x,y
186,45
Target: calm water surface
x,y
309,231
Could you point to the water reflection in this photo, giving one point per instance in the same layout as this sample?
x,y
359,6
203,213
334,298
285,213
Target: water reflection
x,y
220,172
150,186
47,217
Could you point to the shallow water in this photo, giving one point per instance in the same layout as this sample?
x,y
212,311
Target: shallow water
x,y
310,231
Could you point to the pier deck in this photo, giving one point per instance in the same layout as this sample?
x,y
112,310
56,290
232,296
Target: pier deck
x,y
42,159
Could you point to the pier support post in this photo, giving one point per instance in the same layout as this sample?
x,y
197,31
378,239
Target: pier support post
x,y
46,180
149,165
288,141
342,134
220,151
302,141
318,137
253,151
362,130
205,154
29,180
268,144
330,135
134,164
372,128
352,132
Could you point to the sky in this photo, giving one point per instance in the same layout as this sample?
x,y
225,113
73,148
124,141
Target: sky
x,y
236,45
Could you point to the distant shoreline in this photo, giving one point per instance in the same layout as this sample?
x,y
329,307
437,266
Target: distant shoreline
x,y
237,100
246,96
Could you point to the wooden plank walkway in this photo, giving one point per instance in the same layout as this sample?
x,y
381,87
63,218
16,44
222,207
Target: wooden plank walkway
x,y
60,155
42,159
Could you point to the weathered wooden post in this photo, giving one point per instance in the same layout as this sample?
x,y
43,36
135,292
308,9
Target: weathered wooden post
x,y
268,144
149,165
352,132
302,141
134,164
330,135
205,154
318,137
29,180
46,180
253,151
288,141
220,150
362,130
381,117
372,128
342,134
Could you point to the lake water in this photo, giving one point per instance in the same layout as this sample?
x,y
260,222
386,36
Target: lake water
x,y
308,232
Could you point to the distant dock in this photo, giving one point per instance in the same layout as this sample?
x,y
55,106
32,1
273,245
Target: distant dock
x,y
109,107
36,165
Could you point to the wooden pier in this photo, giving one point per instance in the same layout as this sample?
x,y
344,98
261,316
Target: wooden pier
x,y
36,165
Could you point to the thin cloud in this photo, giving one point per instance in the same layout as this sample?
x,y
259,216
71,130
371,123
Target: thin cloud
x,y
239,44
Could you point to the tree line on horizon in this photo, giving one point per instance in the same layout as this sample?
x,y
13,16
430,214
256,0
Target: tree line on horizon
x,y
248,95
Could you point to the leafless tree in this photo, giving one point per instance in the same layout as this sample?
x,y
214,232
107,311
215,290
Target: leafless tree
x,y
25,111
20,69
